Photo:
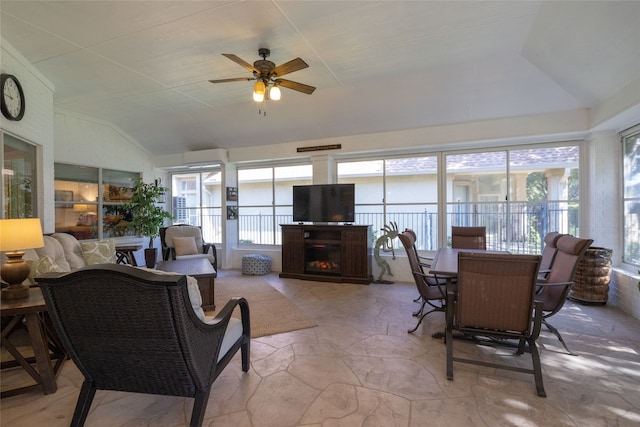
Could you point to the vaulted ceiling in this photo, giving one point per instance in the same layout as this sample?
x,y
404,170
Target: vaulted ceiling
x,y
377,65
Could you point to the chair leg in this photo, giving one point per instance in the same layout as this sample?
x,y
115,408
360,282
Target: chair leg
x,y
448,338
87,392
537,367
199,407
557,334
419,312
421,317
244,351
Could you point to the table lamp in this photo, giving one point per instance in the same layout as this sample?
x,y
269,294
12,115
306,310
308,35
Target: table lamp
x,y
15,236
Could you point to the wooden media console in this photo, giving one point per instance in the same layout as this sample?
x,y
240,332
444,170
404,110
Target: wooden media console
x,y
327,253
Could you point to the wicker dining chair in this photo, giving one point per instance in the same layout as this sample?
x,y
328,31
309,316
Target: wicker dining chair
x,y
137,331
431,289
494,297
469,237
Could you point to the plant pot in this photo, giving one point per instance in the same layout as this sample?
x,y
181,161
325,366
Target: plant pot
x,y
150,257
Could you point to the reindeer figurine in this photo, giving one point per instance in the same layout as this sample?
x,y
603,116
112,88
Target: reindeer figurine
x,y
384,244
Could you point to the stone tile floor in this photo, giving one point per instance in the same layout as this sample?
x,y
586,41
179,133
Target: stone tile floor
x,y
359,367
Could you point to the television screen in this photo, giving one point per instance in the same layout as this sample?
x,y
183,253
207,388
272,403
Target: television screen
x,y
324,203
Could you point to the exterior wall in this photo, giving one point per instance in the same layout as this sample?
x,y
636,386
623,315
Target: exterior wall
x,y
604,215
624,292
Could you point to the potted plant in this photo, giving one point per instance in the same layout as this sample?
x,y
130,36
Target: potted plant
x,y
148,216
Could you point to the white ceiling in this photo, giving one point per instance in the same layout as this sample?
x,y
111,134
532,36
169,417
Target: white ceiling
x,y
378,66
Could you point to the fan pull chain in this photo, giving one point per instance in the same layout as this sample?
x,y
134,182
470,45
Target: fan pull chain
x,y
263,111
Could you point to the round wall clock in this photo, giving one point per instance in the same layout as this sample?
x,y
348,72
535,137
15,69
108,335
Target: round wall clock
x,y
12,102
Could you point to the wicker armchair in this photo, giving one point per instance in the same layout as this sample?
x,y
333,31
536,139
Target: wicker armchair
x,y
469,237
136,331
494,297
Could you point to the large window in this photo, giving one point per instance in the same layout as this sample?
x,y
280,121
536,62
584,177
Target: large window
x,y
196,200
631,197
90,202
402,191
519,195
265,201
19,175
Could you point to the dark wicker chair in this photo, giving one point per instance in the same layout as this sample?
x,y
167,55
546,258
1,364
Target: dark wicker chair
x,y
494,297
554,289
469,237
136,331
432,290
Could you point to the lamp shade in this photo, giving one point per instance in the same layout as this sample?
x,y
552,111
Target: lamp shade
x,y
22,233
258,91
274,93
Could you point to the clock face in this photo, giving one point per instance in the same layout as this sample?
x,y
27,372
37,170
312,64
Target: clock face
x,y
12,101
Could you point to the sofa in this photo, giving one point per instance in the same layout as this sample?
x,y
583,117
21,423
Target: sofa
x,y
62,252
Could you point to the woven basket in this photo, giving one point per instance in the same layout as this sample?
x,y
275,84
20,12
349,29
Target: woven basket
x,y
591,281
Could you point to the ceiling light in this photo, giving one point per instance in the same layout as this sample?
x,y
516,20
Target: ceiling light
x,y
258,91
274,93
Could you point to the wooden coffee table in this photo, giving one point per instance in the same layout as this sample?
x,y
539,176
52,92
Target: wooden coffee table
x,y
202,270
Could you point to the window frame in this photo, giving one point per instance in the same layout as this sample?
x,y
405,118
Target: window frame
x,y
281,211
32,151
625,137
103,204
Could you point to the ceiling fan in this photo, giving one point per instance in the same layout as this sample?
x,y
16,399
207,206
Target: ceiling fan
x,y
267,76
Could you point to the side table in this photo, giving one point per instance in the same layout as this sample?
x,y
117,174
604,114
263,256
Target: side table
x,y
44,342
124,254
199,268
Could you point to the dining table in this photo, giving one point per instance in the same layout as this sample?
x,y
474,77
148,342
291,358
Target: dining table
x,y
445,261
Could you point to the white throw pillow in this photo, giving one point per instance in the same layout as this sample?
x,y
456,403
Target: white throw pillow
x,y
185,245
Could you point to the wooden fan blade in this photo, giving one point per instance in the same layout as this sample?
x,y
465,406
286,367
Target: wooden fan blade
x,y
235,79
241,62
296,86
289,67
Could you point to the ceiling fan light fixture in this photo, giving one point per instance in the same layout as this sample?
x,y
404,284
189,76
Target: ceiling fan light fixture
x,y
258,97
259,90
274,93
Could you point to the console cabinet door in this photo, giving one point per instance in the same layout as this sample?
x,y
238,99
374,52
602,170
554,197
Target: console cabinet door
x,y
293,250
355,254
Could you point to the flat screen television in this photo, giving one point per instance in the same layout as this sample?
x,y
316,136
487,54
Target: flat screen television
x,y
324,203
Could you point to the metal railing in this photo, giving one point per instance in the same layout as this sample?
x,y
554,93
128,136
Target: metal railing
x,y
519,230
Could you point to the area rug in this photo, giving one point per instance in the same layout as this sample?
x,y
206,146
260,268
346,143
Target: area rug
x,y
271,312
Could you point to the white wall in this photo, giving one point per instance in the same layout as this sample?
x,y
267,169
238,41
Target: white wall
x,y
36,126
66,137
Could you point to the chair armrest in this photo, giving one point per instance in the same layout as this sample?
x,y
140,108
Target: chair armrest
x,y
423,263
214,252
545,284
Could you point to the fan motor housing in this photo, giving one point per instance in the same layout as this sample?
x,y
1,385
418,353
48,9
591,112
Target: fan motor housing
x,y
264,66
